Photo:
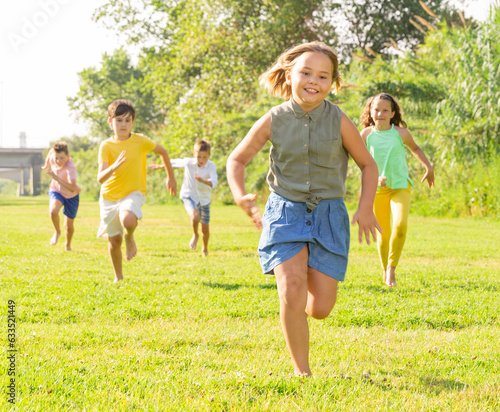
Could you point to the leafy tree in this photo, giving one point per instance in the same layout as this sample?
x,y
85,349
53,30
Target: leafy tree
x,y
386,26
116,78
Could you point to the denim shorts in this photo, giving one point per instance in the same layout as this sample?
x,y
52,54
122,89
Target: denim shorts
x,y
70,205
190,204
289,226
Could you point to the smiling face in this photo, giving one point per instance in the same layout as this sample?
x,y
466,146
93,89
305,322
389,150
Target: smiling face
x,y
310,79
121,125
201,157
381,112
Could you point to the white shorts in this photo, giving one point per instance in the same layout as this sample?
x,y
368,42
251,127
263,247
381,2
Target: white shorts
x,y
110,213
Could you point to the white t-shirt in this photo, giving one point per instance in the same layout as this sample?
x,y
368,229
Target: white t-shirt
x,y
198,191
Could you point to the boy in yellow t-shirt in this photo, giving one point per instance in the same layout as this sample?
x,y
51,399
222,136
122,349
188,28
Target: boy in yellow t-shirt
x,y
122,174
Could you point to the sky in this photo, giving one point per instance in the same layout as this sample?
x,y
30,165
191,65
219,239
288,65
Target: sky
x,y
44,44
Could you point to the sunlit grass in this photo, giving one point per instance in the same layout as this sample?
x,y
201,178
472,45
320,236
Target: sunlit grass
x,y
187,333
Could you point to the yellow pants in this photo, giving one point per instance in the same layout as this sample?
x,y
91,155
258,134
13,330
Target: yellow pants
x,y
390,243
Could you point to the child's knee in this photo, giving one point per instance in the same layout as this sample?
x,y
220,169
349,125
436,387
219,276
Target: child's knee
x,y
205,229
291,288
320,312
195,216
115,242
400,230
129,221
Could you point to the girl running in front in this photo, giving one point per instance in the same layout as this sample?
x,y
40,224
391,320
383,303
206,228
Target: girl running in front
x,y
305,237
386,134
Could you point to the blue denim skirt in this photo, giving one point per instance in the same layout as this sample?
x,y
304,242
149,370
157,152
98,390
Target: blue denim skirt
x,y
289,226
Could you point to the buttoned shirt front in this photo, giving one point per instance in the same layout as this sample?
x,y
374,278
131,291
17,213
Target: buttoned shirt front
x,y
307,159
192,188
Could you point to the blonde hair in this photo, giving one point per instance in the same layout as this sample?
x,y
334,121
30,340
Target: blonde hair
x,y
274,79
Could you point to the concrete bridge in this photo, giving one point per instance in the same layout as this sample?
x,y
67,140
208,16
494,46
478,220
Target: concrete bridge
x,y
23,166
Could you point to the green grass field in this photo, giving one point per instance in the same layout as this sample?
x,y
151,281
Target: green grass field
x,y
186,333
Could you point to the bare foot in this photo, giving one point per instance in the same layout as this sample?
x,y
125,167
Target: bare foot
x,y
68,248
193,242
204,252
118,279
391,277
384,275
130,247
55,238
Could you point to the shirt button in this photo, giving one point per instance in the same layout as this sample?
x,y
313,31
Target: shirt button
x,y
308,210
308,223
307,182
306,162
305,125
305,145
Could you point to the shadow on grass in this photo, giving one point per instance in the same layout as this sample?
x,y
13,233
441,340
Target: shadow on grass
x,y
235,286
439,385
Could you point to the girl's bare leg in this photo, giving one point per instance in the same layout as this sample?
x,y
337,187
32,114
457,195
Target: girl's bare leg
x,y
291,279
391,276
321,295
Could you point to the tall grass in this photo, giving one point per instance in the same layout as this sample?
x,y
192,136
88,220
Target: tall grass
x,y
186,333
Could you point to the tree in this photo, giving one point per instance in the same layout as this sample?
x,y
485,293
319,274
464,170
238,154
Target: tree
x,y
386,26
116,78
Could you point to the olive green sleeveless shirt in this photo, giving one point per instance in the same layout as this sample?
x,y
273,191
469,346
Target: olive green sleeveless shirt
x,y
307,160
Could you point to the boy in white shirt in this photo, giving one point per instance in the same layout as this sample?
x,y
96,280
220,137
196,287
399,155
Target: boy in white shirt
x,y
200,178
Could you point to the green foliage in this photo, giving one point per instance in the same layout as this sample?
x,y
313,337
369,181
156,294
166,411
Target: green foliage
x,y
197,70
373,23
8,187
468,117
117,78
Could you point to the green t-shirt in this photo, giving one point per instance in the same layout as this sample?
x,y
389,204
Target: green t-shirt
x,y
388,150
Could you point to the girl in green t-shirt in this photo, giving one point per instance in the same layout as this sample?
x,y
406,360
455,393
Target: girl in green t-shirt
x,y
385,133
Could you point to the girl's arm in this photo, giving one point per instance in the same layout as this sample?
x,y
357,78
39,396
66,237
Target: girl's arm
x,y
365,133
255,140
171,182
105,172
354,144
415,149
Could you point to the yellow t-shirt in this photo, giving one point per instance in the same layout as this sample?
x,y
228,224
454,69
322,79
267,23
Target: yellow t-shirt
x,y
131,175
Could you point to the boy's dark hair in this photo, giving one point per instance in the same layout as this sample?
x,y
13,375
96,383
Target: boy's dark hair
x,y
120,107
202,146
61,147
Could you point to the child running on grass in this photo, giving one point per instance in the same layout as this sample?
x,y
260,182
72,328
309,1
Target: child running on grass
x,y
63,191
305,237
386,134
200,178
122,174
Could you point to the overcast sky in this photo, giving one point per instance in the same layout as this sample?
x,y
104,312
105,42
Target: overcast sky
x,y
43,45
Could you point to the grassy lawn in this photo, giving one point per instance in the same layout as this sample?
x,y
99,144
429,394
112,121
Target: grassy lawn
x,y
186,333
